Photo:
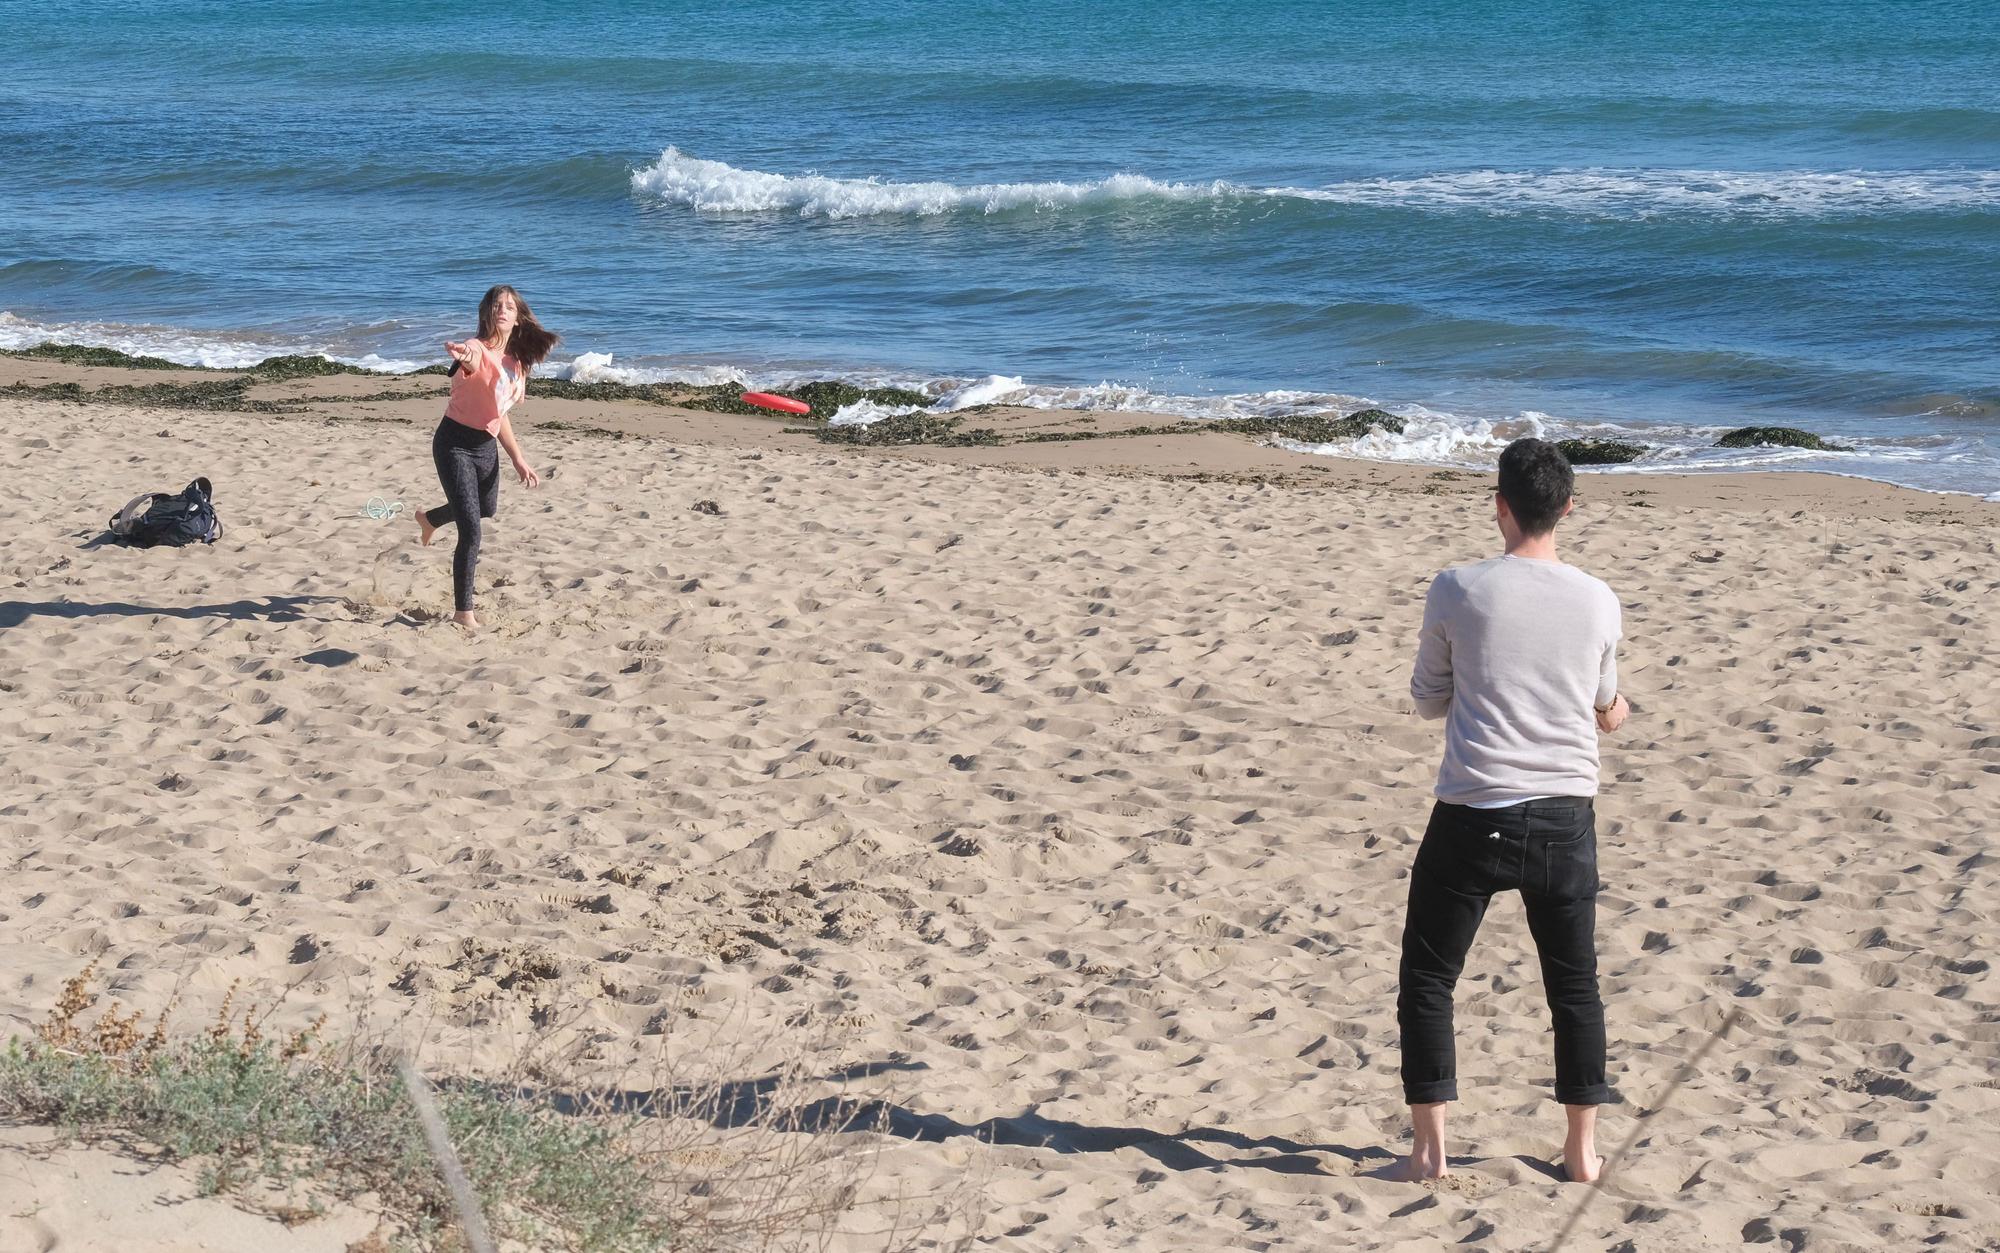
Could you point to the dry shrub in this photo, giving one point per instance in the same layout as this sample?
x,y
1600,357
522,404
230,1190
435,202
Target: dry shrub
x,y
755,1148
680,1153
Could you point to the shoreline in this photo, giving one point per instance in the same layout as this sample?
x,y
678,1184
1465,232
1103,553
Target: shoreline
x,y
1025,439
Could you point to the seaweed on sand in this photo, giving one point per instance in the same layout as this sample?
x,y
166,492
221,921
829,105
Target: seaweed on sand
x,y
1306,428
825,396
78,354
1312,428
905,429
1599,452
269,370
1784,436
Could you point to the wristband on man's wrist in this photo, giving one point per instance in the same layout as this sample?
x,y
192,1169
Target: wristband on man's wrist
x,y
1605,709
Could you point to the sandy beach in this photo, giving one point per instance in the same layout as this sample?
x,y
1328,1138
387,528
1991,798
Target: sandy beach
x,y
1073,785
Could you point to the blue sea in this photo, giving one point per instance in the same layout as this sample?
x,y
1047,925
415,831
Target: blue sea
x,y
1661,220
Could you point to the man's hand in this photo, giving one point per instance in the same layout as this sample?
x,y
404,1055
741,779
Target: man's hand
x,y
1609,720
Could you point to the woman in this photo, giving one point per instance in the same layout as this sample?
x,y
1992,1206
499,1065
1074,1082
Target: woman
x,y
490,377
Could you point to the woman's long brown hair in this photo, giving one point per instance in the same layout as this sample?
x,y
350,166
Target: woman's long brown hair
x,y
531,341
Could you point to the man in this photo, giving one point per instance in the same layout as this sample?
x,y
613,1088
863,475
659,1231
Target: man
x,y
1519,655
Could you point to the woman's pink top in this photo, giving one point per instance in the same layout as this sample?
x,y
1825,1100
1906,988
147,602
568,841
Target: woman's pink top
x,y
482,395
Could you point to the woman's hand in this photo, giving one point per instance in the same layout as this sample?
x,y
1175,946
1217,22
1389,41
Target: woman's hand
x,y
463,353
1609,720
528,476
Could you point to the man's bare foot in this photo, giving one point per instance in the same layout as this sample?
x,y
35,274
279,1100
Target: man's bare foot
x,y
1580,1160
1427,1158
1420,1166
466,619
424,528
1582,1164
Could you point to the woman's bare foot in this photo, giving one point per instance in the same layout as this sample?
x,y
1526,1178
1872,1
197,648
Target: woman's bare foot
x,y
424,528
467,619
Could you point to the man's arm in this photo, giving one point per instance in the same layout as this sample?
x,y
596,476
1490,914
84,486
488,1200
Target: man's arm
x,y
1607,676
1610,706
1430,682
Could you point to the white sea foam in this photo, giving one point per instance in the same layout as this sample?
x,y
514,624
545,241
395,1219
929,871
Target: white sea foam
x,y
986,391
1128,398
220,350
588,367
1431,438
717,187
1643,193
993,389
214,350
596,367
1434,437
867,413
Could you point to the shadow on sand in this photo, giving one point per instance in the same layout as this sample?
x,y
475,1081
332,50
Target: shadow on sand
x,y
270,609
743,1102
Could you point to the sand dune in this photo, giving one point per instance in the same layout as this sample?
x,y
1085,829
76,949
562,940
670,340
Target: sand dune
x,y
1083,801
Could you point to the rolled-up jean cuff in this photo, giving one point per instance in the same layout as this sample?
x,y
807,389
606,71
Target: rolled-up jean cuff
x,y
1596,1094
1430,1093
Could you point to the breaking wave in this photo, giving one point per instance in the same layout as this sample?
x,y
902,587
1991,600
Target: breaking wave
x,y
705,186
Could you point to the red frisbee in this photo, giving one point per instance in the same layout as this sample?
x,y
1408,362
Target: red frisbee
x,y
783,404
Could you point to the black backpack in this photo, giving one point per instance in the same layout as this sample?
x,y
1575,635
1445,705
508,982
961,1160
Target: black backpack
x,y
156,518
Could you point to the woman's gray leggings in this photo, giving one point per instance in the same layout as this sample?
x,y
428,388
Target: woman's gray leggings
x,y
468,464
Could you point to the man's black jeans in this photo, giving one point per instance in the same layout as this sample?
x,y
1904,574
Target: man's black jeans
x,y
1547,851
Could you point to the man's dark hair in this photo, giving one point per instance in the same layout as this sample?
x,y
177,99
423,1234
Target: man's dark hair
x,y
1536,482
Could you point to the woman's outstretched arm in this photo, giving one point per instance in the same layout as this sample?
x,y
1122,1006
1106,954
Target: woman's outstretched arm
x,y
470,354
